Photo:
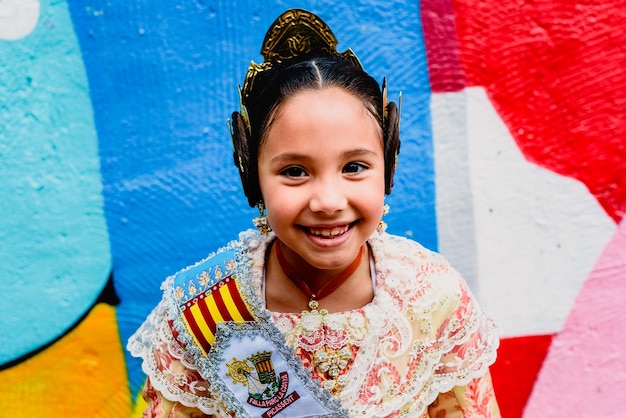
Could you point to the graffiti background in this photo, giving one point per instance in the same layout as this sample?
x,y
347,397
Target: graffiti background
x,y
116,171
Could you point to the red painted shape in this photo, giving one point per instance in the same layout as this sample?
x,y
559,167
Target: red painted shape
x,y
442,52
556,73
516,369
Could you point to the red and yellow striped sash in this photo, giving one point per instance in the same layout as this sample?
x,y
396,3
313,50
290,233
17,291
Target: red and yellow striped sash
x,y
208,293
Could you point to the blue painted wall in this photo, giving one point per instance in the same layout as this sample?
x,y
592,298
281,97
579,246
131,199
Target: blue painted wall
x,y
54,248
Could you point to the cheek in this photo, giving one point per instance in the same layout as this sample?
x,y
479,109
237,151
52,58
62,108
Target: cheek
x,y
378,201
278,202
371,199
265,185
281,215
379,198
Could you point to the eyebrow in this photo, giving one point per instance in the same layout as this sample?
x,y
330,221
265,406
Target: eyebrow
x,y
291,156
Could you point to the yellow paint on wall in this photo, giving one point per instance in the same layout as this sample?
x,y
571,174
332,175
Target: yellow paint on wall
x,y
140,405
81,375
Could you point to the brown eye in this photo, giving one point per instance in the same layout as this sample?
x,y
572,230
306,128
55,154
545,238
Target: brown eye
x,y
293,172
354,168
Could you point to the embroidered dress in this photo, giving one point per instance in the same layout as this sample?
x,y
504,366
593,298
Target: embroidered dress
x,y
421,348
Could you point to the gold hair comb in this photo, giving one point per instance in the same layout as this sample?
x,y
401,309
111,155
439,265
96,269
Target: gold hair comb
x,y
296,33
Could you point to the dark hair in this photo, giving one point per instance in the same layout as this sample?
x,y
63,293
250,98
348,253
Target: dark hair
x,y
272,88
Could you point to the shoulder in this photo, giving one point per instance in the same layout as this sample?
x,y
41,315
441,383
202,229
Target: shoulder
x,y
388,246
421,284
429,314
403,262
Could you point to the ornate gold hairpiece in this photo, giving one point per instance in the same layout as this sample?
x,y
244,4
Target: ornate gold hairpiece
x,y
296,33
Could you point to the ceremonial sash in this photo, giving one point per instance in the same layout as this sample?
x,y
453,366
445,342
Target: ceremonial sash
x,y
244,357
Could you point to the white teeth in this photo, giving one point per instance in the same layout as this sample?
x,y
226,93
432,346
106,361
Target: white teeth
x,y
326,233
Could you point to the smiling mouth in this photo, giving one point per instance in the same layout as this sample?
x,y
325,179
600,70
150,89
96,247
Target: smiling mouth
x,y
329,232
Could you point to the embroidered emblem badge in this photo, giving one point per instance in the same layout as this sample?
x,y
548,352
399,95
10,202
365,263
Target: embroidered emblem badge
x,y
255,374
265,388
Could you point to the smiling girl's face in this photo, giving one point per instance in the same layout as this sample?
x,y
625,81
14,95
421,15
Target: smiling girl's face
x,y
322,177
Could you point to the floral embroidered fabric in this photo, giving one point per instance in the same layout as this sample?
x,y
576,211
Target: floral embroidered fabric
x,y
423,345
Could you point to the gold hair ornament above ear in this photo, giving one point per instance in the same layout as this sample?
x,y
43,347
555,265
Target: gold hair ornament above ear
x,y
399,120
391,144
385,100
243,111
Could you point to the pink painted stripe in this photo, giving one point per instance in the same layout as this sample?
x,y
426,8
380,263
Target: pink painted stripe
x,y
585,370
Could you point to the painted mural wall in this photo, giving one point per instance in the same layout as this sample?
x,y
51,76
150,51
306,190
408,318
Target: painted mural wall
x,y
115,168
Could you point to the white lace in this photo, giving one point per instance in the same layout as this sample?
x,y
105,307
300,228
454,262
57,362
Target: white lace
x,y
155,337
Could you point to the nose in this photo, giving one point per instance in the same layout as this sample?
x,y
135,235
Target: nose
x,y
328,195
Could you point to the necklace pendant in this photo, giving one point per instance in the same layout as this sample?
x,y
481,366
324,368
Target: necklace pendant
x,y
313,305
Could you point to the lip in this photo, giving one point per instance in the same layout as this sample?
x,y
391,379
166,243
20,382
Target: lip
x,y
328,235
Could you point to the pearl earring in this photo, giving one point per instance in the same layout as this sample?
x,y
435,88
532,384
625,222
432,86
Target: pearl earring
x,y
382,225
261,222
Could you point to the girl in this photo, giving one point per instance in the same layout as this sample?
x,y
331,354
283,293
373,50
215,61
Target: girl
x,y
321,313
